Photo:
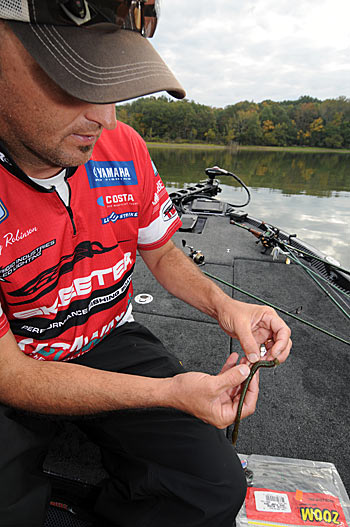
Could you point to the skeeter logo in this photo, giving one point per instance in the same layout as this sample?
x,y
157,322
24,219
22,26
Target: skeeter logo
x,y
83,286
47,280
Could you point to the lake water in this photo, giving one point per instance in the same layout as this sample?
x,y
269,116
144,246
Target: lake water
x,y
306,194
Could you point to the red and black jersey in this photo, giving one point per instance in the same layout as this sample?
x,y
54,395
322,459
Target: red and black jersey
x,y
65,272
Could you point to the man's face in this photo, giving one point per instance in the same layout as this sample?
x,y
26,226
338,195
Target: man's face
x,y
42,126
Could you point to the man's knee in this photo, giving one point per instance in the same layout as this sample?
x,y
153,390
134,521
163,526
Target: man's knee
x,y
213,482
227,487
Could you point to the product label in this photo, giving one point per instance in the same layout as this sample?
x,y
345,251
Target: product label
x,y
271,502
269,507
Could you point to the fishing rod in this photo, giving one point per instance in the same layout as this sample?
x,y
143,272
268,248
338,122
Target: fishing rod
x,y
277,308
199,259
290,255
313,275
269,237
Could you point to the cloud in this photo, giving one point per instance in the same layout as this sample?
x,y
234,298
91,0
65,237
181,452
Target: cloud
x,y
226,51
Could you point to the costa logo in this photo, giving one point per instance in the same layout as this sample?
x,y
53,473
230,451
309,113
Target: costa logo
x,y
115,199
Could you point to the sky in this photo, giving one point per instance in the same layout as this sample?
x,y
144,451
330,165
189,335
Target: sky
x,y
226,51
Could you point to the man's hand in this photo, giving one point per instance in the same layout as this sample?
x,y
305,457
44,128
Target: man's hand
x,y
254,325
251,324
214,399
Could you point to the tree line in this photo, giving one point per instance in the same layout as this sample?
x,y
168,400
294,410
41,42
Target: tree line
x,y
305,122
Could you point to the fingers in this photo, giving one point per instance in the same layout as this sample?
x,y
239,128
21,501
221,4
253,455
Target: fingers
x,y
208,397
272,350
232,377
237,389
248,341
272,331
280,336
230,362
282,355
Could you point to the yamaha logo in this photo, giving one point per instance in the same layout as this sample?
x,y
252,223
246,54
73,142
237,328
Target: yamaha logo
x,y
111,173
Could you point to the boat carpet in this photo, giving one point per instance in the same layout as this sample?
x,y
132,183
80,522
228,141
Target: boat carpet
x,y
303,409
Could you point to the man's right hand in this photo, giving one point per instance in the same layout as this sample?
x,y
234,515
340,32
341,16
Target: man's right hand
x,y
214,399
71,389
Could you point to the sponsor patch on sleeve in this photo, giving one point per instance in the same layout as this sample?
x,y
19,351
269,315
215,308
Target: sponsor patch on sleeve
x,y
168,211
111,173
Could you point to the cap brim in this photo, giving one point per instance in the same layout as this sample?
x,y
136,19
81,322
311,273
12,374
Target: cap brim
x,y
98,64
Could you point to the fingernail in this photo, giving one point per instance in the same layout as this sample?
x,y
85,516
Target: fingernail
x,y
253,357
244,369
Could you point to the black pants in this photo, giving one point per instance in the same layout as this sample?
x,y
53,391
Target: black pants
x,y
166,467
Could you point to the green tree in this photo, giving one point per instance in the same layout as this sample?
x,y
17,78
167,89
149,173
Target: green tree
x,y
210,135
247,127
306,121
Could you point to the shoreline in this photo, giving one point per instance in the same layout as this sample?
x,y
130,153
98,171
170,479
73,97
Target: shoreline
x,y
237,148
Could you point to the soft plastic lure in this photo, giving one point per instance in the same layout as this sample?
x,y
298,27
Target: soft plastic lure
x,y
254,369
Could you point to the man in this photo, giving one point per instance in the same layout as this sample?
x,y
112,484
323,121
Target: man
x,y
68,342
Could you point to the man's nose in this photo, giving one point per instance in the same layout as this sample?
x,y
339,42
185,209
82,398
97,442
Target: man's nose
x,y
102,114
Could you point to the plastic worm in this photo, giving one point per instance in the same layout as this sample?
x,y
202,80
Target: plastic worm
x,y
254,369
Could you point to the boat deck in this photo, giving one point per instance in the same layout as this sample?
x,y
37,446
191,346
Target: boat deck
x,y
303,409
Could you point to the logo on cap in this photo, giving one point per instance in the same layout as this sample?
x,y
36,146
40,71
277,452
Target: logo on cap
x,y
4,159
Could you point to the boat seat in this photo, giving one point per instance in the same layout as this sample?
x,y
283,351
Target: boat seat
x,y
73,465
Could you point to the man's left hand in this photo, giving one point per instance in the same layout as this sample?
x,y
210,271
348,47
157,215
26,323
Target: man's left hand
x,y
254,325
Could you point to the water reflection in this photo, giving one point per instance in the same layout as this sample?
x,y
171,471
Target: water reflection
x,y
307,194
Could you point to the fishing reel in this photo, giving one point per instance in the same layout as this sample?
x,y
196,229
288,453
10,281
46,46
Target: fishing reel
x,y
195,255
270,237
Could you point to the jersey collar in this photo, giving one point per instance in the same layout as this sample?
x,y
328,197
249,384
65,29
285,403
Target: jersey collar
x,y
10,165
